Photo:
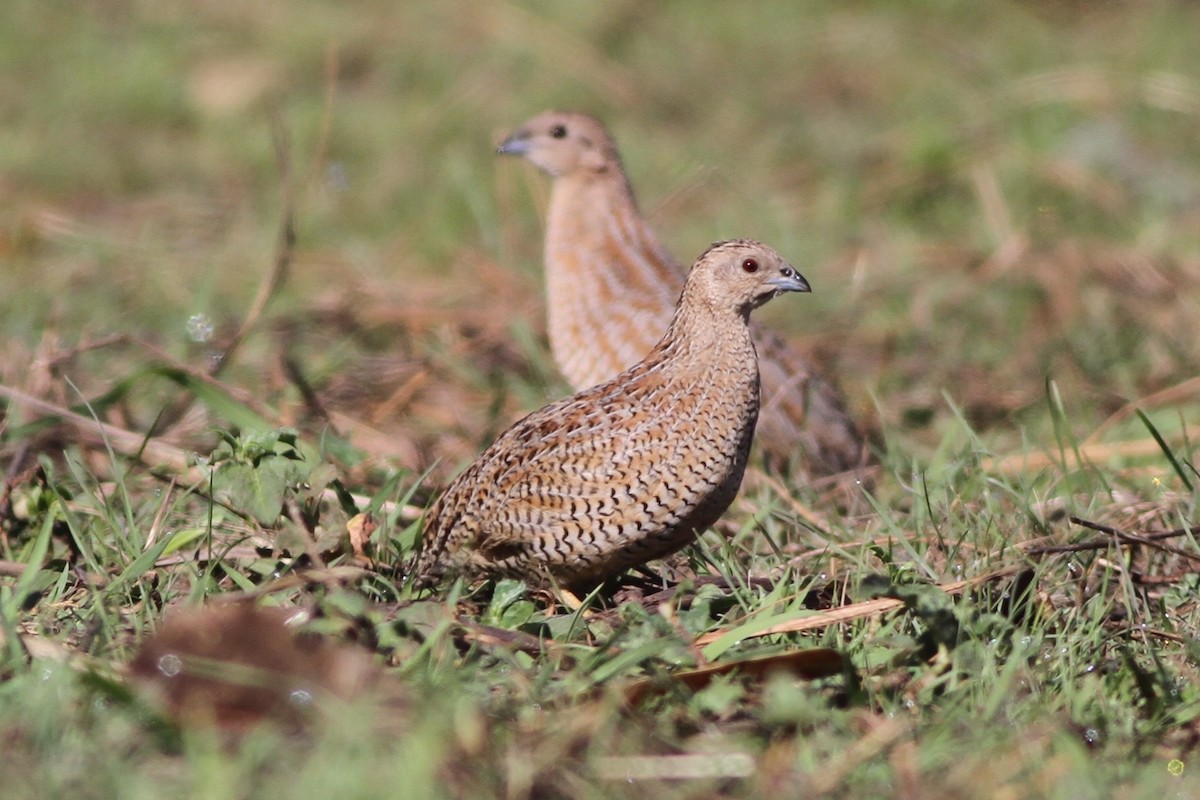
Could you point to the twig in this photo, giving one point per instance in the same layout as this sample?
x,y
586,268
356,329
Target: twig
x,y
195,373
285,246
160,515
1137,630
202,376
868,608
1102,544
84,347
312,401
399,399
1133,538
340,575
135,445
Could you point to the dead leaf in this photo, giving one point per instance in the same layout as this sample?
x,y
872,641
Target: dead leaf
x,y
360,527
808,664
235,665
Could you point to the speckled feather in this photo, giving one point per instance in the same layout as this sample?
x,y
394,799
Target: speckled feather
x,y
631,469
611,287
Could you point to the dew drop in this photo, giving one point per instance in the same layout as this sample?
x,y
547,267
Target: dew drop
x,y
336,176
199,328
170,665
300,697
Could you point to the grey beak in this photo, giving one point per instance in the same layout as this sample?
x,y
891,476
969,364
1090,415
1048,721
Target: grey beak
x,y
790,281
515,145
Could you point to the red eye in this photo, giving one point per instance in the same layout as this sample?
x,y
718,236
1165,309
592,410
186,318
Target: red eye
x,y
750,265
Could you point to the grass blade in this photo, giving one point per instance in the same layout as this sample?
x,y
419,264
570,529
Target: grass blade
x,y
1162,443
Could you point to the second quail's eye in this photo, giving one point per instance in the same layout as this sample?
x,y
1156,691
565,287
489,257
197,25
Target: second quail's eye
x,y
559,131
750,265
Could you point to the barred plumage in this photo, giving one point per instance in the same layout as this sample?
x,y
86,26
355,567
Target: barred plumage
x,y
631,469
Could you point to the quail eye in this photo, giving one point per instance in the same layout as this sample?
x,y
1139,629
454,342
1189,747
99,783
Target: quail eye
x,y
559,131
750,265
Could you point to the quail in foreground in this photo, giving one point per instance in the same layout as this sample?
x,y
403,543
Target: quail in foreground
x,y
632,469
611,287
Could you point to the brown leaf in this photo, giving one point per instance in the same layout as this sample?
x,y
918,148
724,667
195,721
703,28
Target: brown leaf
x,y
809,664
360,527
235,665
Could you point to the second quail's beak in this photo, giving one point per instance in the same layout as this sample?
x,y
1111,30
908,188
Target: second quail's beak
x,y
790,281
515,145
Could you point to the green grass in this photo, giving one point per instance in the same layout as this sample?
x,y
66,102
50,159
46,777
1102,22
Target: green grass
x,y
995,204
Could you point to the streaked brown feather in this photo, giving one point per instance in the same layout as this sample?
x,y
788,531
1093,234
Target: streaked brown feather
x,y
628,470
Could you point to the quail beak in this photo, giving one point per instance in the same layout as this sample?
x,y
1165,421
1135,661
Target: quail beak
x,y
790,281
515,145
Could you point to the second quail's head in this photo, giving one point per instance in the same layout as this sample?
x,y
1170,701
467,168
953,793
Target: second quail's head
x,y
563,143
741,275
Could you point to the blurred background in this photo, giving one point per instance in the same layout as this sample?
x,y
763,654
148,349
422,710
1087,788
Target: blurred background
x,y
985,197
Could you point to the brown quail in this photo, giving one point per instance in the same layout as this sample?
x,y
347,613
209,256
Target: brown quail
x,y
632,469
611,287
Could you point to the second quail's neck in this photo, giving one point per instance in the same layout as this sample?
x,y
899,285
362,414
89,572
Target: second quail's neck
x,y
598,211
610,284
